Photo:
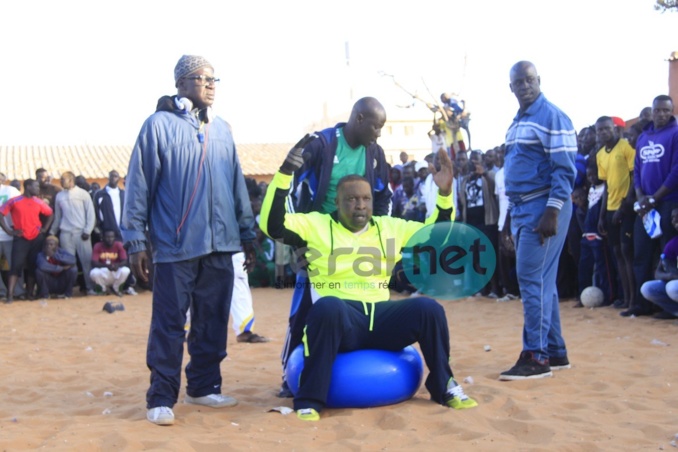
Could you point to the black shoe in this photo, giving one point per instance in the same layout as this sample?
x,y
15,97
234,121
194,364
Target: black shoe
x,y
664,315
559,363
620,304
578,305
285,392
527,368
636,311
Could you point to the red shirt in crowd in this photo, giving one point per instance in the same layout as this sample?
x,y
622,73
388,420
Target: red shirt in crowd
x,y
26,214
116,253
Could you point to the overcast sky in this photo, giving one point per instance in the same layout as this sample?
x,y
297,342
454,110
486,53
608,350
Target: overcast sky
x,y
79,72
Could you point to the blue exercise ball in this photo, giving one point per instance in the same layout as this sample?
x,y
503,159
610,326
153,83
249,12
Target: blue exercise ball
x,y
366,378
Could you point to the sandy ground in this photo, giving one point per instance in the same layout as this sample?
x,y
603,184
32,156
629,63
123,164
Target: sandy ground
x,y
73,377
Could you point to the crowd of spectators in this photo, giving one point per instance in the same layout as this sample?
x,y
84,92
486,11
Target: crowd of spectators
x,y
77,235
53,238
616,195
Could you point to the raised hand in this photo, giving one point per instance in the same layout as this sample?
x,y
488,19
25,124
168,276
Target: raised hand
x,y
294,158
445,175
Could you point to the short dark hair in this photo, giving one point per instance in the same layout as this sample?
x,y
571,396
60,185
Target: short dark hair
x,y
662,98
603,119
28,182
40,170
350,178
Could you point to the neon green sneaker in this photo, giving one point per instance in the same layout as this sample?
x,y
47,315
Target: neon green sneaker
x,y
308,414
456,398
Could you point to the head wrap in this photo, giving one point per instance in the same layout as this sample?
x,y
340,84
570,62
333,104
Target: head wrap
x,y
188,64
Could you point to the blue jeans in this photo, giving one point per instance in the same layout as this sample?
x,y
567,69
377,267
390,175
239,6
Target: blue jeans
x,y
663,294
537,269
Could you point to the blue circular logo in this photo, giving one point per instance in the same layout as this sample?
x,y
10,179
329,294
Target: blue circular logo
x,y
449,260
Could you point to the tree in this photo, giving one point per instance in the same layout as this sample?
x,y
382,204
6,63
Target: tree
x,y
666,5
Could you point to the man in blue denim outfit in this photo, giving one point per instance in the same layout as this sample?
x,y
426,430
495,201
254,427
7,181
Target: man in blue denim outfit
x,y
541,146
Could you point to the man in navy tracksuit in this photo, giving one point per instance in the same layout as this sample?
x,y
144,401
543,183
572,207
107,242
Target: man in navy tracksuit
x,y
347,148
185,184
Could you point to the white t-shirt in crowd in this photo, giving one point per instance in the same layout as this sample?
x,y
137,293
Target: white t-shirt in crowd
x,y
7,192
500,191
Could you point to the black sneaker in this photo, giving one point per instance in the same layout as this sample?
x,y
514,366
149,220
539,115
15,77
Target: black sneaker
x,y
527,368
559,363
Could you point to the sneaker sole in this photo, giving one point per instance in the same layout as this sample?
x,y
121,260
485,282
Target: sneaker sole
x,y
566,366
161,422
231,403
525,377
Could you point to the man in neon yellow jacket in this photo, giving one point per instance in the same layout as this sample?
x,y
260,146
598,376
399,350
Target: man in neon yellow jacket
x,y
350,256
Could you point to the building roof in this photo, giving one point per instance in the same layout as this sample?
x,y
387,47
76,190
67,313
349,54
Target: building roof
x,y
95,161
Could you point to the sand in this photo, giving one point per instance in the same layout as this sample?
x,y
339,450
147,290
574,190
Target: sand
x,y
73,377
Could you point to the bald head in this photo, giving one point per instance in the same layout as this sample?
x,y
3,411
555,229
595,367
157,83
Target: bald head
x,y
366,106
364,125
525,83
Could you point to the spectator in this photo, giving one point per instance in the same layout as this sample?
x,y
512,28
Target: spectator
x,y
656,183
404,157
110,268
479,208
263,274
109,204
632,134
74,222
663,290
7,192
506,260
395,179
406,203
595,266
438,140
28,233
56,271
615,161
48,191
645,117
81,182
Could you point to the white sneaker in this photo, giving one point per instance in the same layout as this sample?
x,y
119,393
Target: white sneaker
x,y
507,297
131,291
212,400
160,415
